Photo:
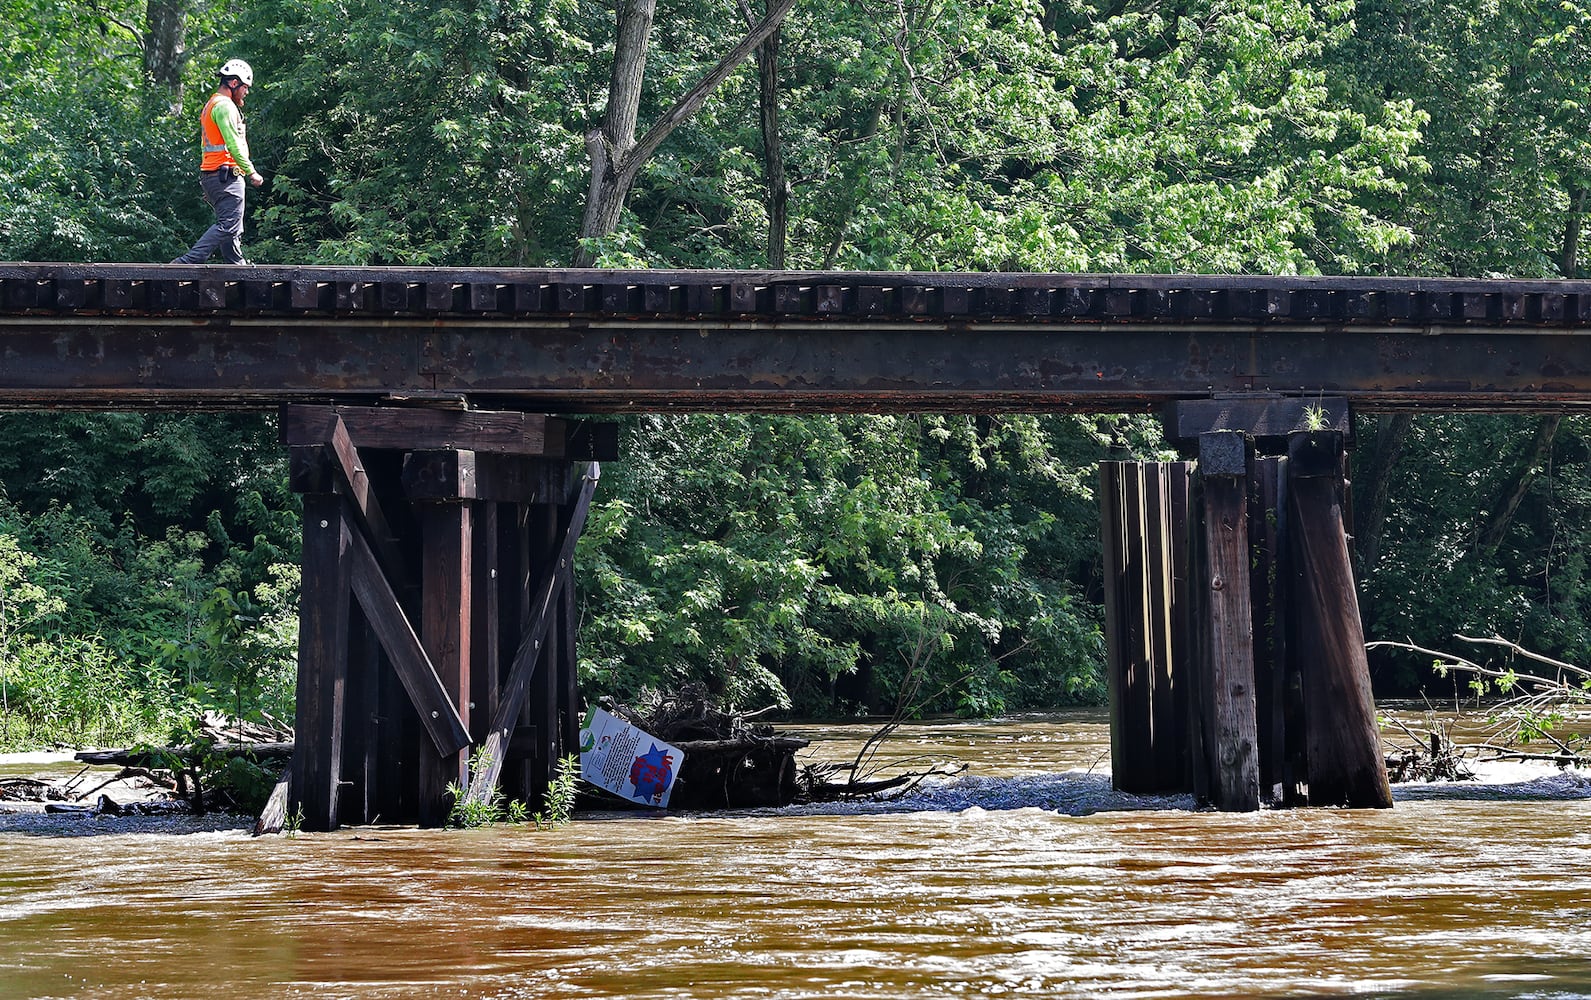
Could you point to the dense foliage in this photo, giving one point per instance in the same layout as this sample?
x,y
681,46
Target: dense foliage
x,y
148,566
146,562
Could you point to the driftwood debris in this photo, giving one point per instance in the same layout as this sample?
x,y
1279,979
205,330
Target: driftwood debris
x,y
82,793
1522,726
29,790
734,762
183,769
731,761
863,775
162,757
1432,756
273,817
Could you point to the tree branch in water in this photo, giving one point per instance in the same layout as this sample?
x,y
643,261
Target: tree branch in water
x,y
1533,706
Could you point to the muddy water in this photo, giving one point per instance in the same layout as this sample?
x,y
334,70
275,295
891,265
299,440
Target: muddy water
x,y
1026,876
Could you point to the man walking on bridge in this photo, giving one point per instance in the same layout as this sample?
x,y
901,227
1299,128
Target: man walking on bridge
x,y
224,165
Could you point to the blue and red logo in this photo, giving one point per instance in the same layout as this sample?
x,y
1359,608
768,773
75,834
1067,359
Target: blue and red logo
x,y
651,774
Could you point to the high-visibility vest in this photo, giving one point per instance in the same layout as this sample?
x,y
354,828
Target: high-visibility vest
x,y
213,146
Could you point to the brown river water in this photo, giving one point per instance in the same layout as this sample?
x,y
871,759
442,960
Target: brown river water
x,y
1027,876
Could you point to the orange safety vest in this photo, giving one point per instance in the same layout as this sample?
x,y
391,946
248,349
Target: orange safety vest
x,y
215,154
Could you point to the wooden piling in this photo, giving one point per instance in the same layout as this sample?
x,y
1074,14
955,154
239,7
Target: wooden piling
x,y
1231,739
426,650
1166,750
486,665
1179,482
568,670
1148,731
445,633
514,596
543,701
1113,546
1196,678
1138,765
399,740
543,609
1268,581
1127,628
322,663
361,767
1346,766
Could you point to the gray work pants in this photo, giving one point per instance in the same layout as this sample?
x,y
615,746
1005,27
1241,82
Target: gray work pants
x,y
223,189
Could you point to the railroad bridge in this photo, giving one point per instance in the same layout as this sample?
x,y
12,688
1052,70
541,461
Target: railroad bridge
x,y
433,418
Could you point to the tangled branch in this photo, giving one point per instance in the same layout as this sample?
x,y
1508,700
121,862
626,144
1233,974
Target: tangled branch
x,y
1533,706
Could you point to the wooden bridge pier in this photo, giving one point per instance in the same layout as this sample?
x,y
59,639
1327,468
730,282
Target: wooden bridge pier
x,y
1236,661
436,622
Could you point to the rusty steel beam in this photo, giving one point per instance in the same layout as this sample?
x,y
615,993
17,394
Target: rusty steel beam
x,y
149,336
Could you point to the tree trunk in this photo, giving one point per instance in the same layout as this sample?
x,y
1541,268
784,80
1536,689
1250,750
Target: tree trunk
x,y
610,145
616,156
165,46
772,148
1392,430
610,185
1569,262
875,118
1513,490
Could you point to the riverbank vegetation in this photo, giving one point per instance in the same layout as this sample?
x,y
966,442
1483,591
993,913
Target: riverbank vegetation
x,y
147,561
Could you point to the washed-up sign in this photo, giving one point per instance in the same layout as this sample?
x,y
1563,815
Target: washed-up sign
x,y
616,756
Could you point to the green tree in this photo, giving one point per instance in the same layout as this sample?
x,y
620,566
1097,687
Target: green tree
x,y
23,604
821,562
405,132
160,542
1432,580
1504,87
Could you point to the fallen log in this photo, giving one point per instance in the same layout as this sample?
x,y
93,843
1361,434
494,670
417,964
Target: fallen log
x,y
739,773
162,756
818,784
27,790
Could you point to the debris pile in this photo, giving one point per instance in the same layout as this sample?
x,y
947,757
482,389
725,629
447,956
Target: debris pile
x,y
126,792
230,765
731,761
1435,758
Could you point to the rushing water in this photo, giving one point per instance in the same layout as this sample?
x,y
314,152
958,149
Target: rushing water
x,y
1026,876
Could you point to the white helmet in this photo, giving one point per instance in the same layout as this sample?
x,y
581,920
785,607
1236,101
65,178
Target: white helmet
x,y
239,69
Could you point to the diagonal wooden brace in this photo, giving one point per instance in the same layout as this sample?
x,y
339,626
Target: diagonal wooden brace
x,y
402,646
543,609
329,463
353,483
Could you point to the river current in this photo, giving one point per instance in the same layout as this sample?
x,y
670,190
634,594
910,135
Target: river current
x,y
1025,876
